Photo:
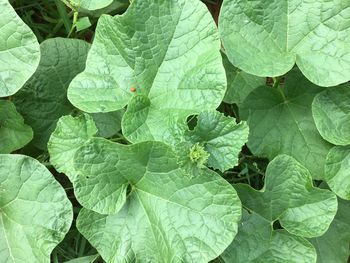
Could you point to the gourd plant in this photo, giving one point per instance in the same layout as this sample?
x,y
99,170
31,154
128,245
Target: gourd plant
x,y
157,124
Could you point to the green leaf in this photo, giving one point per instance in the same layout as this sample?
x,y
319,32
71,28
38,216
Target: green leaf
x,y
266,38
280,122
14,133
19,51
109,123
256,241
331,112
70,134
290,197
83,23
337,171
220,136
43,99
239,83
89,4
86,259
168,51
35,213
158,213
333,246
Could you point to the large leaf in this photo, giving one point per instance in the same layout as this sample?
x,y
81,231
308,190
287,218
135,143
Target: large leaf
x,y
280,122
266,38
43,99
35,213
14,133
168,51
19,51
70,134
290,197
331,112
337,171
239,83
333,246
158,213
256,241
220,136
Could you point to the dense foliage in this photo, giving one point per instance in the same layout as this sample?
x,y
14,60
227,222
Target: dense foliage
x,y
174,131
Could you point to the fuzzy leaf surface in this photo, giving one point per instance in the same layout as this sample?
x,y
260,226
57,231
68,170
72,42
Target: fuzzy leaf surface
x,y
35,213
19,51
168,51
266,38
43,99
290,197
158,213
14,133
281,122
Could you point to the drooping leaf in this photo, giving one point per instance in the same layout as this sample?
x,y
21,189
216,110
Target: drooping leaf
x,y
333,246
70,134
331,112
337,171
266,38
168,51
43,99
35,213
290,197
239,83
220,137
256,241
280,122
14,134
158,213
19,51
109,123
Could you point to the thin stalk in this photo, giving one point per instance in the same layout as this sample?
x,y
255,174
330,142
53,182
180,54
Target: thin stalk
x,y
276,85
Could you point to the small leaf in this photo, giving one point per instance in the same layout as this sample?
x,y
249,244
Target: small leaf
x,y
337,171
19,51
43,99
35,213
14,133
157,213
83,23
221,136
266,38
109,123
290,197
256,241
331,112
70,134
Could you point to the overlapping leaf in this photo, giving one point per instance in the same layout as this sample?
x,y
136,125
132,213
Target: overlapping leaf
x,y
168,51
290,197
70,134
337,171
220,136
43,99
333,246
19,51
108,124
266,38
35,213
239,83
157,213
90,4
256,241
280,122
14,134
331,112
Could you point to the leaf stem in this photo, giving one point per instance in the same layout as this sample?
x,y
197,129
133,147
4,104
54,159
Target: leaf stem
x,y
276,85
